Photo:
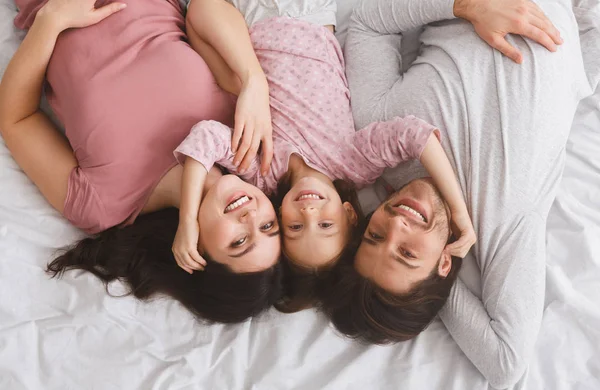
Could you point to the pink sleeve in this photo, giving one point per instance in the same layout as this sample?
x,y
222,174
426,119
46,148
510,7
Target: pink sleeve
x,y
386,144
209,143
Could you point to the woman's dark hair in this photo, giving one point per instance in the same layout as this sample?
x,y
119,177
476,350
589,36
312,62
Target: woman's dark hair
x,y
362,310
140,255
304,286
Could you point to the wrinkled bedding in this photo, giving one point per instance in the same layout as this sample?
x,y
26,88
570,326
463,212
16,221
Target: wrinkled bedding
x,y
69,334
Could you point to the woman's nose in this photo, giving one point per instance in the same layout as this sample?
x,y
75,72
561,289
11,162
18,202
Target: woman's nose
x,y
248,215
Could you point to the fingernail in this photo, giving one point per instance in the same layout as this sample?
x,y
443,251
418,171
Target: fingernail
x,y
122,5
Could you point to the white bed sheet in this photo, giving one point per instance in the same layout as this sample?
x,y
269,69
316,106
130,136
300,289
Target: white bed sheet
x,y
69,334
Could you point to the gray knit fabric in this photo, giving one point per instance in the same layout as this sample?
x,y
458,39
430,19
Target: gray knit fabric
x,y
505,127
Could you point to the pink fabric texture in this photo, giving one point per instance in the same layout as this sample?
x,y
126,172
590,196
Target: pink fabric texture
x,y
128,90
311,113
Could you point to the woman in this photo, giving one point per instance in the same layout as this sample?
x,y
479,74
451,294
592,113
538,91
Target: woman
x,y
127,91
313,131
507,126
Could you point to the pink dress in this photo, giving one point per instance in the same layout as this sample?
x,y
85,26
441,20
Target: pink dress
x,y
127,90
311,113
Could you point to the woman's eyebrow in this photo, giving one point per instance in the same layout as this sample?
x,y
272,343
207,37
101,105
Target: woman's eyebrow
x,y
244,252
273,234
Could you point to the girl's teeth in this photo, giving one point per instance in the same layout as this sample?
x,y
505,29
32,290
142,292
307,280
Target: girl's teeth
x,y
310,196
412,211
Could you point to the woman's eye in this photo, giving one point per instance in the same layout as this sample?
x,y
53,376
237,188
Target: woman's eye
x,y
295,227
267,226
325,225
238,243
408,254
375,236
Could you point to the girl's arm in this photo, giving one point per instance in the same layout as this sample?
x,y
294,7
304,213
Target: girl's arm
x,y
219,25
438,166
40,150
185,245
207,144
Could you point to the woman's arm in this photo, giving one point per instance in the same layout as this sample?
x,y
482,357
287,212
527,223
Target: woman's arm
x,y
40,150
221,27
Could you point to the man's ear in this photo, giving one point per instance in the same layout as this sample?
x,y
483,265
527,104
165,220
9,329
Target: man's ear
x,y
350,213
445,264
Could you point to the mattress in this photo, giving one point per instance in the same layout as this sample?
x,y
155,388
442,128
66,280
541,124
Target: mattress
x,y
70,334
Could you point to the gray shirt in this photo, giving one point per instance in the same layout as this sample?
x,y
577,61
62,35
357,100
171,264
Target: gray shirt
x,y
504,128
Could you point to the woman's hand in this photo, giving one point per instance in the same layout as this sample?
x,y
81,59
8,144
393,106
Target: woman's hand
x,y
67,14
463,230
494,19
253,125
185,246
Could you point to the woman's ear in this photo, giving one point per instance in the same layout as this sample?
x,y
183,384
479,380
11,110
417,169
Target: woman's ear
x,y
351,213
445,264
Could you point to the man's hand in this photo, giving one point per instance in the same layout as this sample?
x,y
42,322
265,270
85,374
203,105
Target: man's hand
x,y
494,19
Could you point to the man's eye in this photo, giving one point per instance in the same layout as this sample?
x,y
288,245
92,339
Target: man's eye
x,y
375,236
325,225
408,254
267,226
295,227
238,243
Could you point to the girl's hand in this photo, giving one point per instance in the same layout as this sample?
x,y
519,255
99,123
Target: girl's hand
x,y
494,19
253,126
463,229
77,13
185,247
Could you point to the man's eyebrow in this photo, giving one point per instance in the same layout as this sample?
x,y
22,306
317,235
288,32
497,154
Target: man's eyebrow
x,y
245,252
402,261
369,241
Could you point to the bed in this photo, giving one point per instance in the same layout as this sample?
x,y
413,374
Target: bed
x,y
69,334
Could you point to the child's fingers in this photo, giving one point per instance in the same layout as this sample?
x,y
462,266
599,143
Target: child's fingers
x,y
183,266
197,258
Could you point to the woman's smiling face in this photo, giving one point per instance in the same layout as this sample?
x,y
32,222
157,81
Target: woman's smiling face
x,y
238,226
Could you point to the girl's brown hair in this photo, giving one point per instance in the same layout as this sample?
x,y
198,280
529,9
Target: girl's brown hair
x,y
304,286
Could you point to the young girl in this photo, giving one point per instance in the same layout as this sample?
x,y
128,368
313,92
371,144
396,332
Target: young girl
x,y
313,131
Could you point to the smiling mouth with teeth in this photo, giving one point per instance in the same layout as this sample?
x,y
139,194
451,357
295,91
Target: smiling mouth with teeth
x,y
237,203
413,211
309,196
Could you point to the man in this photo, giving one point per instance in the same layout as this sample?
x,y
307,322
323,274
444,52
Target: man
x,y
506,127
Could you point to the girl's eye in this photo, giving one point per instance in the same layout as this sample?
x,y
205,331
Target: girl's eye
x,y
295,227
238,243
267,226
375,236
325,225
408,254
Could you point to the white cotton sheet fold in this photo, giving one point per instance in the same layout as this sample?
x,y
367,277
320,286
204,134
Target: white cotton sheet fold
x,y
69,334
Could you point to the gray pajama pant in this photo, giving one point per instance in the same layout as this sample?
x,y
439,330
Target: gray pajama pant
x,y
504,127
